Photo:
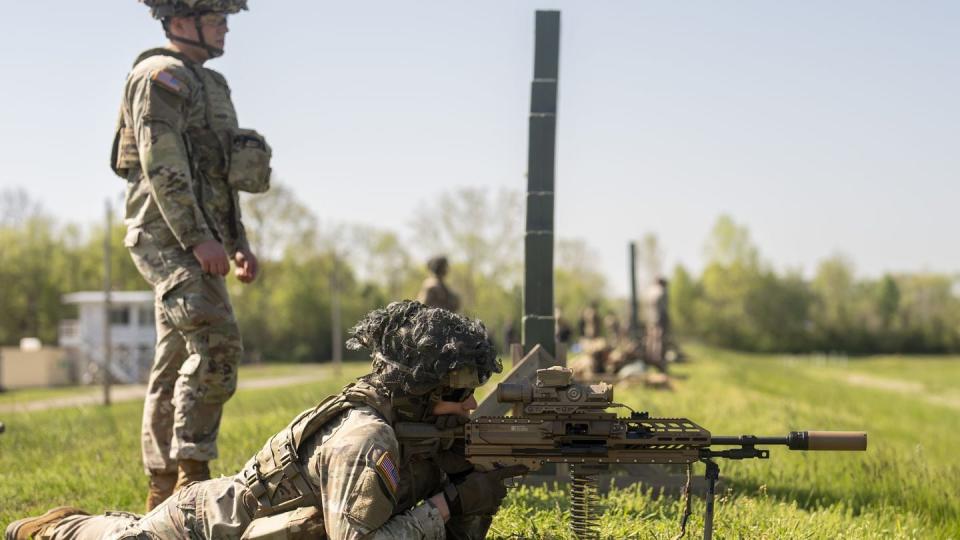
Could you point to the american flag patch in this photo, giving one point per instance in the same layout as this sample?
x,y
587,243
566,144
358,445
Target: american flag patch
x,y
388,471
168,81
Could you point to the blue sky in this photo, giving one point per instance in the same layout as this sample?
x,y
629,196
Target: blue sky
x,y
824,127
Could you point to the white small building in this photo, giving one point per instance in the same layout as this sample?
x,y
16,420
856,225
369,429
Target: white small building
x,y
132,333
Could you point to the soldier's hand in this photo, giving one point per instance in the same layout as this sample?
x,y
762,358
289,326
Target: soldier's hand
x,y
247,265
480,493
212,257
450,421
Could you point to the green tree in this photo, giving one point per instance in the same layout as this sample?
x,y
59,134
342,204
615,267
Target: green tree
x,y
577,281
685,293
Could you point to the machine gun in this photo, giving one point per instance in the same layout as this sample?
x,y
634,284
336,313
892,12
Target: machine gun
x,y
556,420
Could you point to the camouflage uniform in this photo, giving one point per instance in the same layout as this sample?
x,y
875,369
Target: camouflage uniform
x,y
340,464
590,323
434,292
175,137
347,465
658,323
337,470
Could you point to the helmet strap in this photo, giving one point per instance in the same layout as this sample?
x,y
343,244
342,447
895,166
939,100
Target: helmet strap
x,y
212,52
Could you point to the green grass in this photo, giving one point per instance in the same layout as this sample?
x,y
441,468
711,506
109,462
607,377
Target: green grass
x,y
904,486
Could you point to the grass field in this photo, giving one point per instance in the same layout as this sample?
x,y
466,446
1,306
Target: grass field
x,y
906,486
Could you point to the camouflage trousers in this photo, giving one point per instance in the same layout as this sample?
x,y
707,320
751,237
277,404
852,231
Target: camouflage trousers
x,y
221,508
656,345
195,364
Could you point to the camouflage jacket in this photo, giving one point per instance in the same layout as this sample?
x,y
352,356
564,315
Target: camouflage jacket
x,y
344,458
435,293
172,146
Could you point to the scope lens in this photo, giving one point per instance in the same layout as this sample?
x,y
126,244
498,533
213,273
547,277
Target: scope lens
x,y
509,393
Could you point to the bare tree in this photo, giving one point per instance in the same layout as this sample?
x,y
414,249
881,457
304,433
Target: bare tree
x,y
480,231
277,221
16,207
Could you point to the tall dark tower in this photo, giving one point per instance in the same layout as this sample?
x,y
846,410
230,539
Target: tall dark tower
x,y
538,321
634,300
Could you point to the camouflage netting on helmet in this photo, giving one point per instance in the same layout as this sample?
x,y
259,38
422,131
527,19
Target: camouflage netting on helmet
x,y
414,347
161,9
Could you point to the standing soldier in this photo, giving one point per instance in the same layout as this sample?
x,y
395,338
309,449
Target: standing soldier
x,y
434,291
590,324
180,149
658,323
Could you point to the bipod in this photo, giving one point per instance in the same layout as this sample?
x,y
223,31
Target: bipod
x,y
712,475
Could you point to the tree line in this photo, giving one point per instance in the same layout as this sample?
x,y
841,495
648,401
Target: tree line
x,y
287,314
737,301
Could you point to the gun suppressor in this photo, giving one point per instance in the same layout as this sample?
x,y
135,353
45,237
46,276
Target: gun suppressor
x,y
852,441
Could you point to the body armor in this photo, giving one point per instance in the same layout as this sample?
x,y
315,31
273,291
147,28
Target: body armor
x,y
275,475
223,158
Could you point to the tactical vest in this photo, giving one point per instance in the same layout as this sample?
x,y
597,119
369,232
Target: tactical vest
x,y
223,157
275,475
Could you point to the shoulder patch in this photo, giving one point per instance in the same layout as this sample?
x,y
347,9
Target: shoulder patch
x,y
387,469
169,82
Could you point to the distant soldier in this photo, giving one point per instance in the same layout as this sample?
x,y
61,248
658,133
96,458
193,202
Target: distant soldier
x,y
510,334
179,147
337,470
612,328
658,323
434,291
590,322
562,328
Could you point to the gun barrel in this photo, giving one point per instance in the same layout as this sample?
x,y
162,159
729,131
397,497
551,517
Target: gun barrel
x,y
852,441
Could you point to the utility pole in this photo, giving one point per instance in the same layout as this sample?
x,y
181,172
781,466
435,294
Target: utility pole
x,y
107,287
539,327
634,311
538,320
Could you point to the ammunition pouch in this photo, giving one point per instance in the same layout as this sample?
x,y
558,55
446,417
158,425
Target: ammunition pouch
x,y
249,162
124,155
276,477
304,523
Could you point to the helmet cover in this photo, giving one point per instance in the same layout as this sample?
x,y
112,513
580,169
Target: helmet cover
x,y
162,9
418,350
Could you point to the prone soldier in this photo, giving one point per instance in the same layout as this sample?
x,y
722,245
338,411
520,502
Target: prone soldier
x,y
179,147
337,470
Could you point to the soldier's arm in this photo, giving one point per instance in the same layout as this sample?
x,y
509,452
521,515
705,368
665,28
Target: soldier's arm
x,y
240,243
360,479
159,104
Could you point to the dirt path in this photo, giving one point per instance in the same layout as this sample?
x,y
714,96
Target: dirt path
x,y
135,392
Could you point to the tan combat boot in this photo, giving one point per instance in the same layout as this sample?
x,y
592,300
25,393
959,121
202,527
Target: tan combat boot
x,y
160,488
27,528
190,471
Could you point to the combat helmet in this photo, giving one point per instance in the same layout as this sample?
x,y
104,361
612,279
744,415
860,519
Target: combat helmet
x,y
422,355
438,265
163,10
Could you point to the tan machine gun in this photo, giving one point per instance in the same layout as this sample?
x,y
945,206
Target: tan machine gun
x,y
556,420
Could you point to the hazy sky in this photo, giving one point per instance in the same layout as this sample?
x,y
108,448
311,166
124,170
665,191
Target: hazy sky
x,y
825,127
